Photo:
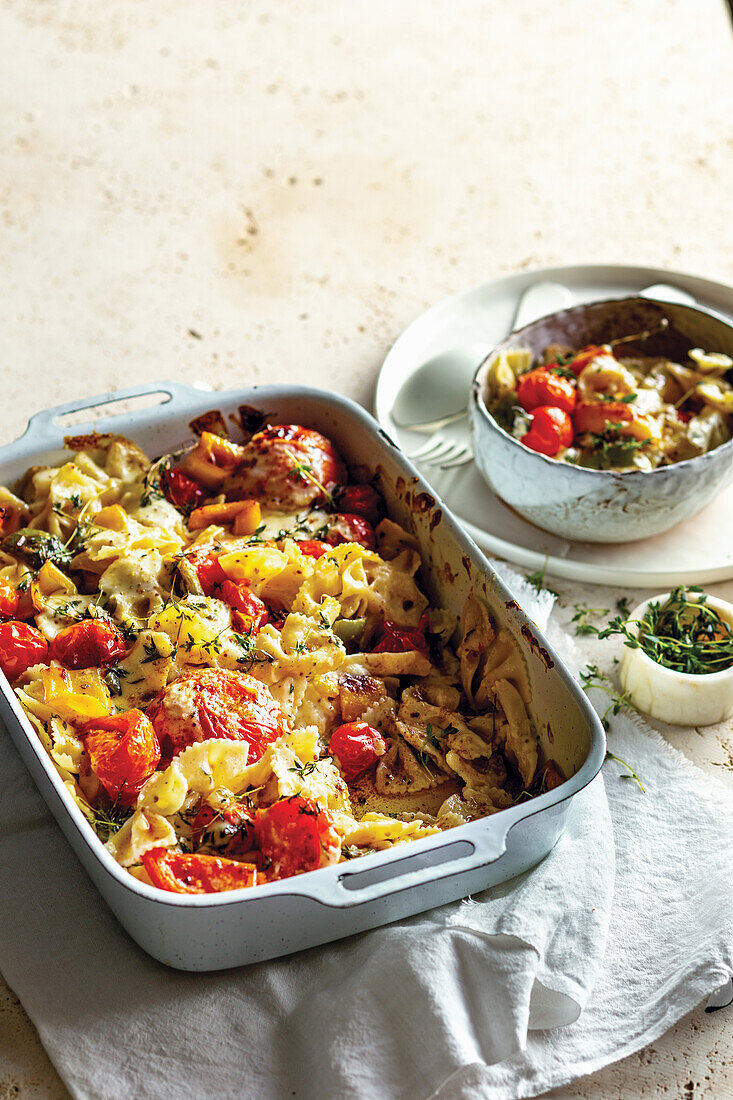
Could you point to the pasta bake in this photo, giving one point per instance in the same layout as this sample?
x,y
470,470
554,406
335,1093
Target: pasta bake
x,y
229,657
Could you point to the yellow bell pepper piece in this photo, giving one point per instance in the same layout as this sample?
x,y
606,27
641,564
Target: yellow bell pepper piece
x,y
76,696
113,517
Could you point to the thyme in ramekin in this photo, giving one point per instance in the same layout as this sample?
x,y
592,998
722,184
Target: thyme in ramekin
x,y
681,634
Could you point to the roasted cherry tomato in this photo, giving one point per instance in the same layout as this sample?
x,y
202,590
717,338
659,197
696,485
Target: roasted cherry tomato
x,y
9,600
362,500
214,702
249,613
287,465
552,775
182,873
586,355
88,644
229,831
21,647
542,387
356,746
314,548
123,752
392,638
181,490
208,570
551,429
351,528
296,835
596,418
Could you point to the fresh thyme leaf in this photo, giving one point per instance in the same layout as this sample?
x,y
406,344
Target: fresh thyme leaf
x,y
623,606
562,371
152,653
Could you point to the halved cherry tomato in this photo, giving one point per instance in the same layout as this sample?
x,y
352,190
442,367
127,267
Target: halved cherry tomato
x,y
596,418
296,835
362,500
182,873
551,429
21,647
181,490
214,702
230,830
356,746
123,752
88,644
314,548
542,387
392,638
351,528
249,613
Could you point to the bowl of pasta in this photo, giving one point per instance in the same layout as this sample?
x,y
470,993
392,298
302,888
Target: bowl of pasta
x,y
608,422
270,690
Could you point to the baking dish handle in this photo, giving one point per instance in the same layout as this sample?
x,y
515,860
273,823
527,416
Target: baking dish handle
x,y
404,871
43,427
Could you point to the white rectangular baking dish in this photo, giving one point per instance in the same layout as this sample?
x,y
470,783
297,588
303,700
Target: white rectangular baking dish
x,y
209,932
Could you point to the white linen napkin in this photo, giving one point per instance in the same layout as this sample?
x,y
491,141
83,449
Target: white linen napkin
x,y
446,1004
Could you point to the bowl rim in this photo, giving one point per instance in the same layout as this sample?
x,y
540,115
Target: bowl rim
x,y
477,400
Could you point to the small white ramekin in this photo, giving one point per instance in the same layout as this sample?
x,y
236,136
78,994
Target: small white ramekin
x,y
679,698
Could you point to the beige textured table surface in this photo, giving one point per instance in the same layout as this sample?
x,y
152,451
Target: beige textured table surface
x,y
241,192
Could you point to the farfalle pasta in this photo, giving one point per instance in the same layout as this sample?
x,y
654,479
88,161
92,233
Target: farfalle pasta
x,y
229,659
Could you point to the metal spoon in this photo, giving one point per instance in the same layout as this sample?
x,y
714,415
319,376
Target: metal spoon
x,y
435,395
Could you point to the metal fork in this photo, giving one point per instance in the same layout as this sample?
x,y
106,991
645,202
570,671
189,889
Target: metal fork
x,y
440,450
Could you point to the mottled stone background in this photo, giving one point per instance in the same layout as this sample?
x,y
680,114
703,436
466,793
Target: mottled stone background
x,y
241,192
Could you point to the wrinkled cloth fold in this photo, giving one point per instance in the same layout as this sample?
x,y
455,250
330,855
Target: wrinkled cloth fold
x,y
625,926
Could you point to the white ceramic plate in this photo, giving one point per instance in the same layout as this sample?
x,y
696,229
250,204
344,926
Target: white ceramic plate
x,y
699,551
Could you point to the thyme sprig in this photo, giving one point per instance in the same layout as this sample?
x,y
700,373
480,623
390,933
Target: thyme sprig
x,y
537,579
304,770
580,618
106,822
592,677
304,471
632,775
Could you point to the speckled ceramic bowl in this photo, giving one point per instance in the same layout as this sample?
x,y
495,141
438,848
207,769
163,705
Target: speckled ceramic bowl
x,y
603,505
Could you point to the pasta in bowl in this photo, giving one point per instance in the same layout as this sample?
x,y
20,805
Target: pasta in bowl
x,y
230,661
608,422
